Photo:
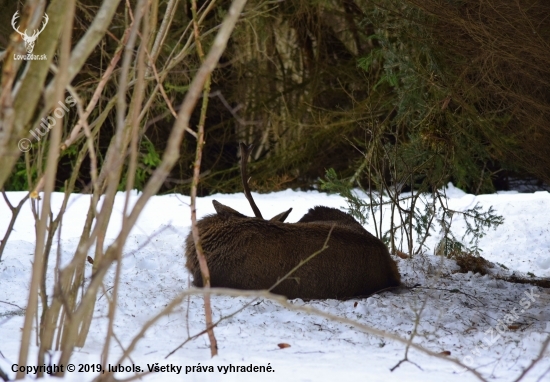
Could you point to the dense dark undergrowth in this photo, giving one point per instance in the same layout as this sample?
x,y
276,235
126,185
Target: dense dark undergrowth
x,y
443,90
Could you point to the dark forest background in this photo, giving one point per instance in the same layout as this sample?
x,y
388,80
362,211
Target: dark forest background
x,y
420,92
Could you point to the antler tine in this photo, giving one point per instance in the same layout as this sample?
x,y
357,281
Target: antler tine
x,y
13,20
45,22
245,153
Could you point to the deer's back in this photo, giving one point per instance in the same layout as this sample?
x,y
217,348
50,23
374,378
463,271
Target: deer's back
x,y
253,254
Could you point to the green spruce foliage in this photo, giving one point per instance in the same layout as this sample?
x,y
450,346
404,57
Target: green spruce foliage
x,y
404,221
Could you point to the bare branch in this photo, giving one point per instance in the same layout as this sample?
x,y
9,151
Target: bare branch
x,y
171,154
89,41
14,214
536,360
60,81
205,273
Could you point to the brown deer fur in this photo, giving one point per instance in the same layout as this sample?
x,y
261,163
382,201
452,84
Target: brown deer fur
x,y
251,253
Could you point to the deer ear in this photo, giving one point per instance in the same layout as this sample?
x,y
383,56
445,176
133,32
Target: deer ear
x,y
225,211
280,217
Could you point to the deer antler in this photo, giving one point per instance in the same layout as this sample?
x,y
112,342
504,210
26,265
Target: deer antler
x,y
36,33
13,19
46,19
245,153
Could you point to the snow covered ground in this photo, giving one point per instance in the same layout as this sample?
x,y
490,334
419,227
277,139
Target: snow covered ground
x,y
495,326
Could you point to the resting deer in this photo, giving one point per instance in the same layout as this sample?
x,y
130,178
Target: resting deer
x,y
252,253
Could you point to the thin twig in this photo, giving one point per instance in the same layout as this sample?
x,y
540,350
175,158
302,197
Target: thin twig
x,y
205,272
60,82
305,309
4,376
9,303
285,277
536,360
14,215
